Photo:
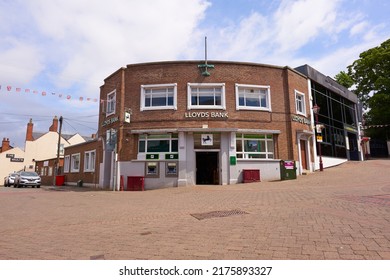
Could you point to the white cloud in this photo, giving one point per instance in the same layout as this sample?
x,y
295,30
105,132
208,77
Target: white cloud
x,y
299,22
297,32
96,39
337,61
19,62
73,45
275,38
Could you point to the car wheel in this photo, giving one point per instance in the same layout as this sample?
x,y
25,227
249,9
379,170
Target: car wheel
x,y
38,186
14,185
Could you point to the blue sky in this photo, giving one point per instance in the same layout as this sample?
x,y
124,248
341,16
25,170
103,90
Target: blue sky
x,y
67,48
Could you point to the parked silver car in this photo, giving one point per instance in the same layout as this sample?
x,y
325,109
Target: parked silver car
x,y
25,179
9,179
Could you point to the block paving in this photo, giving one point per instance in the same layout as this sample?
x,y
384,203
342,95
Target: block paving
x,y
341,213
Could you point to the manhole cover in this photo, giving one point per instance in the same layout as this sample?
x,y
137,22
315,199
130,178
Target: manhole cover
x,y
218,214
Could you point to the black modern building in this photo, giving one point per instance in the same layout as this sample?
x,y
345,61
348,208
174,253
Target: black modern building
x,y
339,115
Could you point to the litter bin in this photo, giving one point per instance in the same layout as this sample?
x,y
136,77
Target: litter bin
x,y
288,170
60,180
80,183
135,183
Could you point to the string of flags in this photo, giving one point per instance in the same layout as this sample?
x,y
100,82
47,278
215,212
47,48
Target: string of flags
x,y
45,93
376,125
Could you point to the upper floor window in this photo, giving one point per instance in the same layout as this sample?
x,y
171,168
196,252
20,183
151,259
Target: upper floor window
x,y
111,103
253,97
300,103
157,97
206,96
89,161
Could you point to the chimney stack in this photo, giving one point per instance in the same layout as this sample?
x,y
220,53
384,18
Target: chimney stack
x,y
29,133
5,145
54,126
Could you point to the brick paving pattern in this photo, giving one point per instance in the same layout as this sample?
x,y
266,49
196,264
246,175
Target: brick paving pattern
x,y
341,213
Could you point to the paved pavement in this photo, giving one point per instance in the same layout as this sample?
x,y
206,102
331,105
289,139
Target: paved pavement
x,y
341,213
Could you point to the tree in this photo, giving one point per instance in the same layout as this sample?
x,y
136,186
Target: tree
x,y
344,79
371,76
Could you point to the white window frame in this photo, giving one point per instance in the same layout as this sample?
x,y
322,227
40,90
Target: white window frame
x,y
111,103
164,137
72,163
246,86
206,85
303,103
66,164
158,86
246,155
89,161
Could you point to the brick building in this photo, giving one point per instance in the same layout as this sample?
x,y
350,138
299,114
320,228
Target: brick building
x,y
81,163
184,123
178,123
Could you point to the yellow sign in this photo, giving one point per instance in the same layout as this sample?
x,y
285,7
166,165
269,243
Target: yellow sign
x,y
319,138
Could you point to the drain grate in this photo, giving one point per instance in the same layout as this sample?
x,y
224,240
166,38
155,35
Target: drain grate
x,y
218,214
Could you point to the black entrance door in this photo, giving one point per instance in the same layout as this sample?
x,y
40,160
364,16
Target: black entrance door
x,y
207,168
353,147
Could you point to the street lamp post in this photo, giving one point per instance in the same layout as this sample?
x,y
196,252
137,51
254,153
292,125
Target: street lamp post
x,y
316,111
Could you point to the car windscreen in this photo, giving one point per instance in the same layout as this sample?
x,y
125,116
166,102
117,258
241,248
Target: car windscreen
x,y
29,174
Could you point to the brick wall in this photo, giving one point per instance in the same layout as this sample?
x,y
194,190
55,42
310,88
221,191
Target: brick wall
x,y
88,177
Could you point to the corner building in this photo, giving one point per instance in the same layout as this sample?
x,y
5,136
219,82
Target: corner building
x,y
181,124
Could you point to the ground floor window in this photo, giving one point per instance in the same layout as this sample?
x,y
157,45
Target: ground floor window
x,y
89,161
66,164
75,163
158,143
255,146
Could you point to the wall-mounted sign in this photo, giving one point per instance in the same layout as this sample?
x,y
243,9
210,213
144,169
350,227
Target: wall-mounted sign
x,y
17,159
206,139
127,117
10,155
110,121
152,156
300,119
319,138
319,128
233,160
289,164
171,156
206,115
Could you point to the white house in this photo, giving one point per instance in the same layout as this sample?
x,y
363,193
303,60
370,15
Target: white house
x,y
38,147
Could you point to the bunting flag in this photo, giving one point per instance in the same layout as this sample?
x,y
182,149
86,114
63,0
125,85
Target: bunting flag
x,y
375,126
10,88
